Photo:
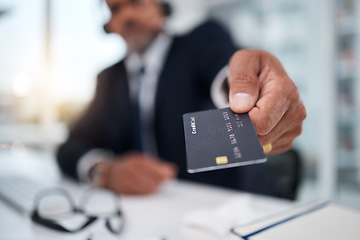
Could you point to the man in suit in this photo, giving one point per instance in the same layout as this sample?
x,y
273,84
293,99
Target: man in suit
x,y
131,137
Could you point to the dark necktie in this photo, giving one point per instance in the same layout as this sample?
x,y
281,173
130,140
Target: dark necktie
x,y
136,113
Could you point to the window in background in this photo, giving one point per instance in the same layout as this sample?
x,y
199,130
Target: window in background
x,y
21,66
51,51
347,19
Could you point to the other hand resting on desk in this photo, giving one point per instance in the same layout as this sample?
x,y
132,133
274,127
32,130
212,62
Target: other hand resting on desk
x,y
136,173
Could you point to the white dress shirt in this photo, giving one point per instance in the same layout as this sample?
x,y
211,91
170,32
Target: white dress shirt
x,y
145,88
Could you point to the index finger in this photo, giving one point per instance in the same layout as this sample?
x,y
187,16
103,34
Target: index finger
x,y
274,101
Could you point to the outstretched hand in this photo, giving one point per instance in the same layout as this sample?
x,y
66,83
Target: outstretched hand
x,y
259,85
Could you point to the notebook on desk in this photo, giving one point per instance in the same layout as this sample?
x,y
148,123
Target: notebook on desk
x,y
314,221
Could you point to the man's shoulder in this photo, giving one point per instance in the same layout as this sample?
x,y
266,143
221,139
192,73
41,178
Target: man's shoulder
x,y
208,28
115,68
208,33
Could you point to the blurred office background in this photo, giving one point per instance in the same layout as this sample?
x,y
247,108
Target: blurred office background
x,y
52,50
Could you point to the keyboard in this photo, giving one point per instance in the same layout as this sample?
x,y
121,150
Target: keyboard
x,y
19,192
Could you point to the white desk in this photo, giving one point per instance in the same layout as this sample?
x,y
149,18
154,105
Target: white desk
x,y
150,216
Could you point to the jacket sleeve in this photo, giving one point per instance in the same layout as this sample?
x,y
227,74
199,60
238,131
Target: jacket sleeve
x,y
90,131
214,48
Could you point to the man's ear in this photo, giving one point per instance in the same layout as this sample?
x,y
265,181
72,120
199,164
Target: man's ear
x,y
167,9
106,28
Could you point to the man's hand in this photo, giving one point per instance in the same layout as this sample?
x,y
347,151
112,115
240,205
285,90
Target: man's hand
x,y
136,173
259,85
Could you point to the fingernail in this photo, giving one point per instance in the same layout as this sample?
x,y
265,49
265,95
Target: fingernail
x,y
241,101
267,148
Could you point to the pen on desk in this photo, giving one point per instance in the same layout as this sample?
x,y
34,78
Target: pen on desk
x,y
316,207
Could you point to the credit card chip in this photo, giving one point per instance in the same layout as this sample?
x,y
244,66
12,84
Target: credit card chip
x,y
222,160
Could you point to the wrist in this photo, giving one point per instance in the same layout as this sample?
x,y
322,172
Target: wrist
x,y
99,174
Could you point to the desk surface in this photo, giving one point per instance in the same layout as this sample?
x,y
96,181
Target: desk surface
x,y
160,214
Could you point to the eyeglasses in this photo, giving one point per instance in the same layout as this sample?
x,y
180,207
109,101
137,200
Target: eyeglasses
x,y
55,208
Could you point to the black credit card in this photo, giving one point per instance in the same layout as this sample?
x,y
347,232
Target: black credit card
x,y
220,138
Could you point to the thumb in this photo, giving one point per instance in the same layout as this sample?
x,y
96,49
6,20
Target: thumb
x,y
243,80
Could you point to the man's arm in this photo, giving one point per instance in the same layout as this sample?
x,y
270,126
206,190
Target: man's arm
x,y
257,83
96,128
95,146
81,137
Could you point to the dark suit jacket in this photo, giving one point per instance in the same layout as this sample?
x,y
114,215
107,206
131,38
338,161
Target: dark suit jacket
x,y
184,86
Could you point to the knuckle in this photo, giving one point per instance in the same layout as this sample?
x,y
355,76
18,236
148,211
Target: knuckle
x,y
246,53
293,92
284,89
299,108
299,113
303,113
243,78
298,131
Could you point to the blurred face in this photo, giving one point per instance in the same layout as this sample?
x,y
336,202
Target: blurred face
x,y
137,21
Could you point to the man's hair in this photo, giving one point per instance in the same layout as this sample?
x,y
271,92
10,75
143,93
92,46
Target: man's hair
x,y
166,7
